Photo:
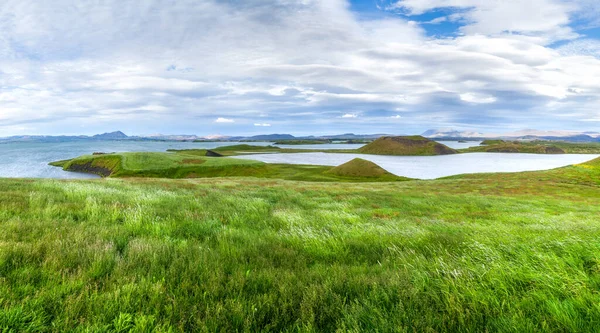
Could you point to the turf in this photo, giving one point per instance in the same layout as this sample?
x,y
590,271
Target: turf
x,y
473,253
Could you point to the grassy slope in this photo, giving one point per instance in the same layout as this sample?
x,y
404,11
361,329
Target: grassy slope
x,y
193,164
359,167
405,145
536,147
512,252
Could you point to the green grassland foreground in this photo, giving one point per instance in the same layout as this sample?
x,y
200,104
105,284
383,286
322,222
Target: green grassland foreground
x,y
472,253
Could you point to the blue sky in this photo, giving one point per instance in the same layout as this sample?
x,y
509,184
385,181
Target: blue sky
x,y
298,66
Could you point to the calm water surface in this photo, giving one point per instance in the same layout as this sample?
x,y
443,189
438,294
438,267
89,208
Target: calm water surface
x,y
431,167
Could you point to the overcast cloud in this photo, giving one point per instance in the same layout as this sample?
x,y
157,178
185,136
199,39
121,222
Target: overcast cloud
x,y
297,66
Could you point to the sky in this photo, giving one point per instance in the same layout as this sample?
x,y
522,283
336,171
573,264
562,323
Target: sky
x,y
242,67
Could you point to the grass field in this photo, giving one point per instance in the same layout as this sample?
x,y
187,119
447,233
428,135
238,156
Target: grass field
x,y
472,253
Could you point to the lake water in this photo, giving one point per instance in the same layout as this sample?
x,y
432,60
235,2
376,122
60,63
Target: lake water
x,y
431,167
451,144
30,160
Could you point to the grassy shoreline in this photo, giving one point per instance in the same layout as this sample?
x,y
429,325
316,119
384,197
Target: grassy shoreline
x,y
194,164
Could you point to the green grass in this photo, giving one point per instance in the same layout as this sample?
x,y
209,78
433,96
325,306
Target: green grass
x,y
194,164
492,142
536,147
472,253
406,145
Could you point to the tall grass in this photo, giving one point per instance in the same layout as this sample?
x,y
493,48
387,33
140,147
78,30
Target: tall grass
x,y
468,254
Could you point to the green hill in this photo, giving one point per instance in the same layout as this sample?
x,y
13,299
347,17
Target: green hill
x,y
491,142
521,147
360,168
406,145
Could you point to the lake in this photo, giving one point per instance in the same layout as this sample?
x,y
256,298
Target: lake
x,y
431,167
451,144
30,160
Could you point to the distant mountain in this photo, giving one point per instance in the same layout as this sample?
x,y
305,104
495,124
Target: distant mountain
x,y
180,137
438,134
557,134
271,137
43,138
450,133
117,135
216,137
526,134
350,136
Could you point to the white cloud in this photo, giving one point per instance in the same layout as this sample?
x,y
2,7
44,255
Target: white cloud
x,y
187,63
582,47
262,125
396,116
477,98
548,18
224,120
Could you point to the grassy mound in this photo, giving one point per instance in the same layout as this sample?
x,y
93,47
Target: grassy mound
x,y
406,145
359,168
519,147
491,142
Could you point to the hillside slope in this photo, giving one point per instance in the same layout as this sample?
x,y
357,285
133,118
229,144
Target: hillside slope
x,y
406,145
360,168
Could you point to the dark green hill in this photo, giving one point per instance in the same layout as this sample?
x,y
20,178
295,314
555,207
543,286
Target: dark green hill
x,y
406,145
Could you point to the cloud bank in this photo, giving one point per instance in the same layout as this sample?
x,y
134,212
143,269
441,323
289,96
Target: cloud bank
x,y
302,66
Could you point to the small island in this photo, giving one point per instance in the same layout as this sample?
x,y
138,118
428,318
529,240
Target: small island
x,y
406,146
205,164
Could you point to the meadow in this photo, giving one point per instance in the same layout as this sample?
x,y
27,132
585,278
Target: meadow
x,y
472,253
